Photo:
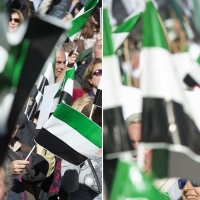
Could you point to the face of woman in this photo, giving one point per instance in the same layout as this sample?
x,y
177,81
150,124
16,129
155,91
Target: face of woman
x,y
96,78
14,23
190,193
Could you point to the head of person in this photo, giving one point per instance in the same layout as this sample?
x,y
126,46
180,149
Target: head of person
x,y
5,180
60,63
97,50
76,9
190,189
93,74
84,105
134,128
16,18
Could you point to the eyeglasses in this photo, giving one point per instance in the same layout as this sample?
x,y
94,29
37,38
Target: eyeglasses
x,y
16,20
182,183
59,62
98,72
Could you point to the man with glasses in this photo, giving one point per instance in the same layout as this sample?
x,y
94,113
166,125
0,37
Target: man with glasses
x,y
190,189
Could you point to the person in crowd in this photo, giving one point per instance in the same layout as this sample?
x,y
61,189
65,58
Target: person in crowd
x,y
96,53
92,76
190,189
68,17
76,9
5,180
91,29
16,18
134,125
79,181
63,64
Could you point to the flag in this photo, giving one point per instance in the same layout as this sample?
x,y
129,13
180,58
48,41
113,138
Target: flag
x,y
130,183
123,30
46,79
66,94
98,97
192,78
80,19
23,67
70,135
114,129
166,115
113,116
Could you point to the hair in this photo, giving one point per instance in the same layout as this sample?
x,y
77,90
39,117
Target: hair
x,y
7,179
78,6
21,18
88,73
134,119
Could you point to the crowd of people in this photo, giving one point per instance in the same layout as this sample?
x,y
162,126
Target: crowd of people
x,y
41,174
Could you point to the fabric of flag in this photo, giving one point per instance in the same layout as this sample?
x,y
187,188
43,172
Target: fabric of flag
x,y
70,135
123,30
24,65
113,116
98,97
166,115
46,79
80,19
66,94
130,183
114,130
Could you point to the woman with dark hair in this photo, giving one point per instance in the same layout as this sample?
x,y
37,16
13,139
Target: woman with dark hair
x,y
76,9
16,18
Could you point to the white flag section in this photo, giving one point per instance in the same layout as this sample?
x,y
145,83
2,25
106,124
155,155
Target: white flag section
x,y
45,109
70,135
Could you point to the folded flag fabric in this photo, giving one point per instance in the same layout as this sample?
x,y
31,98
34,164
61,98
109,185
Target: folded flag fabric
x,y
130,183
123,30
79,21
70,135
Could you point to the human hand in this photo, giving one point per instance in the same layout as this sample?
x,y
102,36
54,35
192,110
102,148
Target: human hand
x,y
17,166
72,58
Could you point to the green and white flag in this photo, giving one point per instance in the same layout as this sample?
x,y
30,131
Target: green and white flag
x,y
79,21
130,183
70,135
123,30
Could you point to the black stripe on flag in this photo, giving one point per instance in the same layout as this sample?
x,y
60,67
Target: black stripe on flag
x,y
66,97
98,98
156,121
32,109
190,81
43,83
115,132
59,148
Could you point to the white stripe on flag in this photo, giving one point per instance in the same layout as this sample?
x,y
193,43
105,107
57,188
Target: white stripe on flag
x,y
4,57
118,39
112,85
71,137
69,86
159,79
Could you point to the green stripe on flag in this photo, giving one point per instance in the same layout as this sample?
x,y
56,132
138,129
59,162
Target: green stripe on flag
x,y
198,60
80,123
79,21
20,62
107,39
128,25
153,34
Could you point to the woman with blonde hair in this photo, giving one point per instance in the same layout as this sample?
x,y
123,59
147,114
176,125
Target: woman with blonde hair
x,y
16,18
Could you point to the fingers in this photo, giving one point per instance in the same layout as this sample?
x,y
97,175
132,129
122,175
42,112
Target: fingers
x,y
17,166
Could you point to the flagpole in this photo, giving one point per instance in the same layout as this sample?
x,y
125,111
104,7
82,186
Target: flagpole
x,y
100,15
95,175
30,152
90,117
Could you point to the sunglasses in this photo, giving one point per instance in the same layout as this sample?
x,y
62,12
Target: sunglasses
x,y
98,72
15,20
182,183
